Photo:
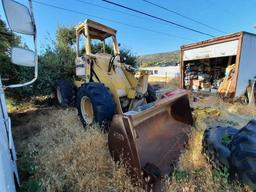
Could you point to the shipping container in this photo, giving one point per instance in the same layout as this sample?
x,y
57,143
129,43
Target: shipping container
x,y
222,65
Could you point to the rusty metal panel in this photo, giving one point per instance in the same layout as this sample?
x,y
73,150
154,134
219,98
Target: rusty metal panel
x,y
217,40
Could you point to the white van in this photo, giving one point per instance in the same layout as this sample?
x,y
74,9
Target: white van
x,y
20,20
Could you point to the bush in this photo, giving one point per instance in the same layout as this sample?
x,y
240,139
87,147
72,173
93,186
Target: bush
x,y
54,64
7,40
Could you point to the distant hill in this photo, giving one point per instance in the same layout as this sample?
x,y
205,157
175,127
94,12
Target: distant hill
x,y
168,58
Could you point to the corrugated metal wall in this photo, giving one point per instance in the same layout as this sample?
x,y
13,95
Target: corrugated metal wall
x,y
247,67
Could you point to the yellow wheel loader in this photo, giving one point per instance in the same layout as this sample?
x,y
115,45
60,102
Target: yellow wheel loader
x,y
146,135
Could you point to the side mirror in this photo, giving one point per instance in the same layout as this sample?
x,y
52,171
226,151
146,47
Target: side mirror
x,y
18,17
23,57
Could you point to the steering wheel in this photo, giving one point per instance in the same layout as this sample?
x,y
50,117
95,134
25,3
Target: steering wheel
x,y
111,62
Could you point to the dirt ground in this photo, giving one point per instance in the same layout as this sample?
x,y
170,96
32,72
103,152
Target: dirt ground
x,y
55,152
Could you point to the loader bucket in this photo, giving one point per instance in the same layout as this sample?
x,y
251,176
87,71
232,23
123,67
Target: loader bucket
x,y
150,142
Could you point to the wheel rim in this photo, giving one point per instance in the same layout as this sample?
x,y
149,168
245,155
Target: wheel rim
x,y
86,109
59,97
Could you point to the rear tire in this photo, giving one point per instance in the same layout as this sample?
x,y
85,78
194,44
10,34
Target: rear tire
x,y
151,97
244,100
94,104
243,154
65,93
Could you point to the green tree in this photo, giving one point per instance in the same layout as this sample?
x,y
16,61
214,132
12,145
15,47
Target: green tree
x,y
131,59
65,37
57,62
7,40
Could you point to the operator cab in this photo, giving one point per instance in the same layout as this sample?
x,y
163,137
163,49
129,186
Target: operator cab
x,y
91,40
90,32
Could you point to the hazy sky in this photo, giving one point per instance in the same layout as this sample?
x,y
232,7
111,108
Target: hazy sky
x,y
153,36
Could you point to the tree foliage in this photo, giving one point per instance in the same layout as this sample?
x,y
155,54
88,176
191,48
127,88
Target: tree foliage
x,y
65,37
56,62
7,40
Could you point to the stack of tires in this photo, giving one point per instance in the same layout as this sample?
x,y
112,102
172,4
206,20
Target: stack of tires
x,y
234,149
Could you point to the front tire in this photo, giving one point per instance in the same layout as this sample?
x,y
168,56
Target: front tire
x,y
94,104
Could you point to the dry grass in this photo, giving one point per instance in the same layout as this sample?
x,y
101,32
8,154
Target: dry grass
x,y
70,158
194,172
29,104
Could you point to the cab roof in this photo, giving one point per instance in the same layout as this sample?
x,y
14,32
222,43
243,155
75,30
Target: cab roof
x,y
96,30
